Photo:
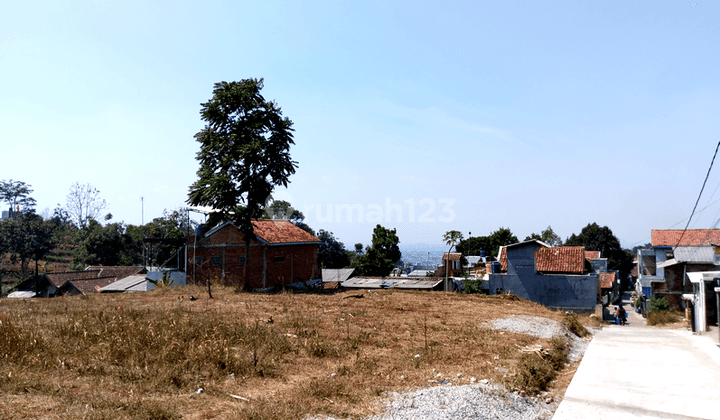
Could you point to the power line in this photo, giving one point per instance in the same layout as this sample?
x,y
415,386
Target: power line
x,y
699,195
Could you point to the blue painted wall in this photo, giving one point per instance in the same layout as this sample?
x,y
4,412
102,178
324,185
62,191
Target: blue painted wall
x,y
553,290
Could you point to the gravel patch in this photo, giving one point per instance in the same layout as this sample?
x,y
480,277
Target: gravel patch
x,y
542,328
484,401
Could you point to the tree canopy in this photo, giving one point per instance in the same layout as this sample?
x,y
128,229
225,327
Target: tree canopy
x,y
548,236
17,195
83,204
26,236
600,238
244,153
379,259
490,244
331,252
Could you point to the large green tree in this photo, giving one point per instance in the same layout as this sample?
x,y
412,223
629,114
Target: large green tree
x,y
379,259
110,245
244,154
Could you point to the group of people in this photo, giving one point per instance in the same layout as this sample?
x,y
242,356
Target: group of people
x,y
620,315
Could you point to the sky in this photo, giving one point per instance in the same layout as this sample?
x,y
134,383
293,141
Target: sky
x,y
419,116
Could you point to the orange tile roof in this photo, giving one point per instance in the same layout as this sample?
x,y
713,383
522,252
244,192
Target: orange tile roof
x,y
281,231
454,256
606,280
561,259
592,255
691,237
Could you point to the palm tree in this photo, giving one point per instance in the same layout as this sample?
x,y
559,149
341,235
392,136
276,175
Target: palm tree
x,y
451,238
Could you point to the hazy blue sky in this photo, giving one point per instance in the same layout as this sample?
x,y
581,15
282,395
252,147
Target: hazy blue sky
x,y
463,116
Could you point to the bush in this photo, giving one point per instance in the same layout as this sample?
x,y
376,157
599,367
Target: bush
x,y
658,304
535,372
572,322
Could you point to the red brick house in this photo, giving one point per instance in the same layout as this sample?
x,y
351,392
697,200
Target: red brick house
x,y
282,254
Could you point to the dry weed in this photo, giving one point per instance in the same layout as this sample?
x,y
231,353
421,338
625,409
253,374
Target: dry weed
x,y
287,355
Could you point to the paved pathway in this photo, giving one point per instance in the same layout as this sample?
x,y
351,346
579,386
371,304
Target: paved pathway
x,y
638,372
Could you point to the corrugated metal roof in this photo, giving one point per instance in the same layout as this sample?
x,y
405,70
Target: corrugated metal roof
x,y
137,283
697,254
420,273
390,282
336,274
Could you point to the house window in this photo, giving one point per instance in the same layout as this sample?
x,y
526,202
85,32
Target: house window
x,y
216,260
198,260
242,260
649,267
278,259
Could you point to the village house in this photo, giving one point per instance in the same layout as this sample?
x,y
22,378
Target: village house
x,y
664,269
565,277
453,263
282,254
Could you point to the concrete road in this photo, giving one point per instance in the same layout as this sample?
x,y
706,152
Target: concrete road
x,y
639,372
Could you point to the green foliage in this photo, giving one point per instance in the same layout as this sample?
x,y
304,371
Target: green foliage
x,y
331,253
490,244
656,304
111,245
244,153
26,236
472,286
380,258
596,238
548,236
17,195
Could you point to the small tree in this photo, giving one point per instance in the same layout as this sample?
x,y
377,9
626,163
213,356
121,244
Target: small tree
x,y
244,154
26,237
17,195
548,236
84,203
451,238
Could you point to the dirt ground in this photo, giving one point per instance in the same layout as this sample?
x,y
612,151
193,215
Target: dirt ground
x,y
242,355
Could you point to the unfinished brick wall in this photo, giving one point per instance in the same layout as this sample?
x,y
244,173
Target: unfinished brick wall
x,y
222,259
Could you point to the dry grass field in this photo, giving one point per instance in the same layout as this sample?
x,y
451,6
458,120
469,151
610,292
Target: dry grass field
x,y
255,356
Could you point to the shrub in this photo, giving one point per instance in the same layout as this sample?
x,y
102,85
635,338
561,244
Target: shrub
x,y
572,323
535,371
658,304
